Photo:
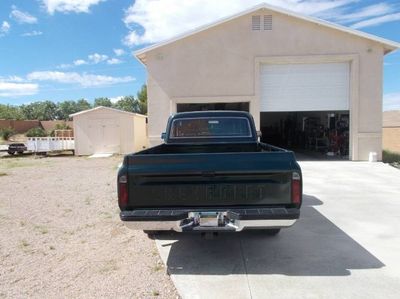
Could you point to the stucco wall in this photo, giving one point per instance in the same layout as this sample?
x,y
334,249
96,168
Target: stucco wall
x,y
140,133
391,139
220,64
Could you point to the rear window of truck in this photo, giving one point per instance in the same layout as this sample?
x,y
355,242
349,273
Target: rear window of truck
x,y
210,127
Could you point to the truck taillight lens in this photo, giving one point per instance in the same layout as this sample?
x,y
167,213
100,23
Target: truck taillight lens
x,y
123,191
296,188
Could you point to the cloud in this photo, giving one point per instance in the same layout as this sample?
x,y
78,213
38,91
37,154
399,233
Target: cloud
x,y
67,6
377,21
13,89
97,58
4,28
365,12
119,52
32,33
391,101
115,99
154,21
85,80
80,62
114,61
21,16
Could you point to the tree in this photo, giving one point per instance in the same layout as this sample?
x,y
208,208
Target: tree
x,y
82,104
66,108
127,103
106,102
45,110
10,112
142,100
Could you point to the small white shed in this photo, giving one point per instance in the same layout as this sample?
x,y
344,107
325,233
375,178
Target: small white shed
x,y
108,130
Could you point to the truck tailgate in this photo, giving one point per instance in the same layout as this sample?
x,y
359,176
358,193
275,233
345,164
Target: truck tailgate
x,y
212,179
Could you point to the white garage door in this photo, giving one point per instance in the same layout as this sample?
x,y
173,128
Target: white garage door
x,y
305,87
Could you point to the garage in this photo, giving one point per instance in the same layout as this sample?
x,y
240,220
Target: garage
x,y
104,130
305,108
311,86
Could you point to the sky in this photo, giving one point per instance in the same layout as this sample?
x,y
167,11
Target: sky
x,y
71,49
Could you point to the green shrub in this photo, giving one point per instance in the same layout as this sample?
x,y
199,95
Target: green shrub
x,y
6,133
390,157
62,126
36,132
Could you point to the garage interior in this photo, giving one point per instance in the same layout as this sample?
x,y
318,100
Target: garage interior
x,y
311,134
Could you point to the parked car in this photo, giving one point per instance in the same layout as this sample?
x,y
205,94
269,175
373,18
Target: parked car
x,y
19,148
210,174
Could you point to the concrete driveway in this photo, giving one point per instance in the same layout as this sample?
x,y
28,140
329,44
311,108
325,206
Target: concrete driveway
x,y
346,244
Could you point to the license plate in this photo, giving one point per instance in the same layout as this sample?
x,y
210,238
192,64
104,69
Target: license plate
x,y
208,219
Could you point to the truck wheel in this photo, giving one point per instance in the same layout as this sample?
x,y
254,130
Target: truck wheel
x,y
11,153
272,232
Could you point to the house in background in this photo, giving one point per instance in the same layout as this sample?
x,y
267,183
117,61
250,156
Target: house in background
x,y
309,84
106,130
391,131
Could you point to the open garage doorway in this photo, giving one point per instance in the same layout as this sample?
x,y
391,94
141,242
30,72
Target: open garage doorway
x,y
312,135
189,107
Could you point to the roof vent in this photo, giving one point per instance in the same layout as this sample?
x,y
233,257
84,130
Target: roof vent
x,y
256,22
267,22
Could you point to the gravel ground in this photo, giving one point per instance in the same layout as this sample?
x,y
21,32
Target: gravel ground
x,y
60,234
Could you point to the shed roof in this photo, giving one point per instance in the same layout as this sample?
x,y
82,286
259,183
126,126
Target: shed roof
x,y
387,44
391,118
105,108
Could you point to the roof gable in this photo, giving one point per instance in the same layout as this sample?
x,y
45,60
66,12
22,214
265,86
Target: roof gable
x,y
388,44
105,108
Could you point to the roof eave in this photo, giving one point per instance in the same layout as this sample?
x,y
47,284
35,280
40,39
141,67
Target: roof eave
x,y
388,45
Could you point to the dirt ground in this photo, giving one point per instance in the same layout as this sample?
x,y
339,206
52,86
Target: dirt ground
x,y
60,234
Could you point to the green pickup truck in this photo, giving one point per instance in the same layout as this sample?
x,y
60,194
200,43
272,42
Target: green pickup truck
x,y
211,174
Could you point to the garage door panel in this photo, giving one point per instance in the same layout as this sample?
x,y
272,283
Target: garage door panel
x,y
305,87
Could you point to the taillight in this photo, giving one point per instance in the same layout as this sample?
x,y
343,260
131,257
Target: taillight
x,y
296,188
123,191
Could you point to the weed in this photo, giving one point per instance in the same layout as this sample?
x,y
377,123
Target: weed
x,y
52,247
3,174
22,223
157,268
109,266
42,229
24,244
155,293
88,201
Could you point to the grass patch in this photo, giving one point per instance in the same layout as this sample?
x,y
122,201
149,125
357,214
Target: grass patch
x,y
109,266
15,163
3,174
155,293
24,244
42,229
390,157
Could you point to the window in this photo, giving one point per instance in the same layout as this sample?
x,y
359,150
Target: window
x,y
210,127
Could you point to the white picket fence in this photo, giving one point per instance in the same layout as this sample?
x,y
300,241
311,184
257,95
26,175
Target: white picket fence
x,y
49,144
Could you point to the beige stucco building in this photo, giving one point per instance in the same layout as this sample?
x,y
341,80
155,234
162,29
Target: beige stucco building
x,y
108,130
277,65
391,131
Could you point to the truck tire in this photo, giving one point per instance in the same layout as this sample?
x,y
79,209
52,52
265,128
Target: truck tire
x,y
272,232
11,153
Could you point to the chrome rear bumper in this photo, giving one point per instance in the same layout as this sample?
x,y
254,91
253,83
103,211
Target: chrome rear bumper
x,y
236,220
237,227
